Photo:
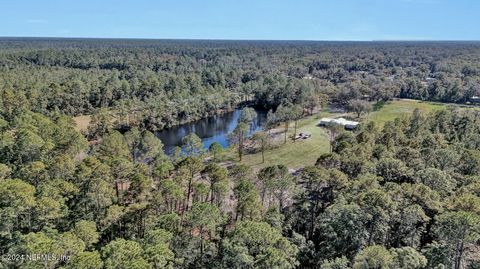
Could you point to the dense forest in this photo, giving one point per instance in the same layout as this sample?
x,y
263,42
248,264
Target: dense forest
x,y
402,195
155,84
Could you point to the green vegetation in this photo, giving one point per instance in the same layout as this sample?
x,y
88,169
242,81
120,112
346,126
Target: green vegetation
x,y
294,154
399,108
399,192
305,152
154,84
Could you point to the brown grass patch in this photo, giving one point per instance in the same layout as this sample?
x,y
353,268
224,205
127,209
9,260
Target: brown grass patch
x,y
82,122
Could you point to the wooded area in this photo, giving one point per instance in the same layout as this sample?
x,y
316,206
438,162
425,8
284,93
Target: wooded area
x,y
155,84
403,195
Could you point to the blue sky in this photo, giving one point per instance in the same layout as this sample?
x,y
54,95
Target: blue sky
x,y
245,19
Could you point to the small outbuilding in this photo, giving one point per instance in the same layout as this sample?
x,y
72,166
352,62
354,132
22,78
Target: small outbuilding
x,y
348,124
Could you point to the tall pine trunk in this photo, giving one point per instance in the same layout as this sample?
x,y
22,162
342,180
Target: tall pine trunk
x,y
240,146
295,131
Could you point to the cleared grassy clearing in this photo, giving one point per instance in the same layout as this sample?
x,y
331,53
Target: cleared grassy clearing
x,y
397,108
296,154
82,122
305,152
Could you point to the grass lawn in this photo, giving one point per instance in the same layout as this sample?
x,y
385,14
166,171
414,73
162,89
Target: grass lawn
x,y
397,108
305,152
296,154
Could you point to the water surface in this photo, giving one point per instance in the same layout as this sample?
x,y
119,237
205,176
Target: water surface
x,y
211,129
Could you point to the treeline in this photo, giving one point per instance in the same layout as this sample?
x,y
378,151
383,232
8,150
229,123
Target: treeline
x,y
402,196
157,83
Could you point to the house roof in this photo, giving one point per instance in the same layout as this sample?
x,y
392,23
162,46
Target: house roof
x,y
340,121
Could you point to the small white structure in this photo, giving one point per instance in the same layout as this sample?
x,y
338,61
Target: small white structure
x,y
348,124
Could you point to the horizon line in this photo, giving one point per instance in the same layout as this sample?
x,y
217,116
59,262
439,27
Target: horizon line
x,y
244,39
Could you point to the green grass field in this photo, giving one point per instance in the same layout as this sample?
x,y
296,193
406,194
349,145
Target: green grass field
x,y
296,154
305,152
398,108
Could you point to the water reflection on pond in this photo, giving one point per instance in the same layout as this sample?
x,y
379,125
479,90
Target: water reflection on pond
x,y
211,129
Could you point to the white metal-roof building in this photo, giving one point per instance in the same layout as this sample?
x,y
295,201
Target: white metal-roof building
x,y
348,124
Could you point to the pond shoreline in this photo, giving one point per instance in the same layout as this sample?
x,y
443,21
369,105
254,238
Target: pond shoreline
x,y
214,128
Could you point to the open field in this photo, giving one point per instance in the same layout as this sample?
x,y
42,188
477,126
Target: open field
x,y
305,152
397,108
295,154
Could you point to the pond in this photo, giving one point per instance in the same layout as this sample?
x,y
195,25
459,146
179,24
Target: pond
x,y
212,129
